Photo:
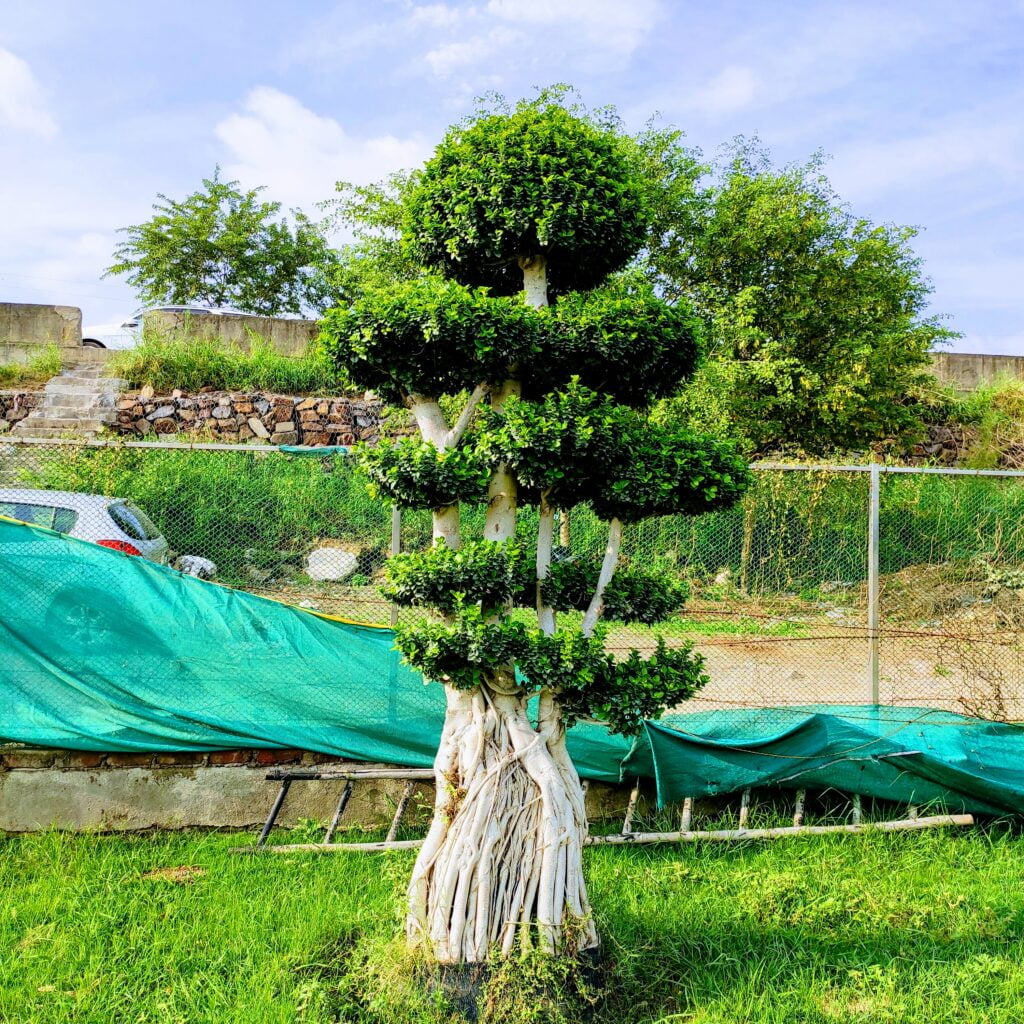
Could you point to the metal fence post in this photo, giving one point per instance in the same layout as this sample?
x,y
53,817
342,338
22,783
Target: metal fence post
x,y
874,504
396,547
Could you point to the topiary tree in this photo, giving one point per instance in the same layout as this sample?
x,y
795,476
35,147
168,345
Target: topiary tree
x,y
517,208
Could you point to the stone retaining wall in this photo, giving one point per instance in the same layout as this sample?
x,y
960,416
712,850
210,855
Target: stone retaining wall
x,y
278,419
15,406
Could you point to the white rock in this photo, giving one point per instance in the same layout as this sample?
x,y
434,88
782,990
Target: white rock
x,y
330,564
196,565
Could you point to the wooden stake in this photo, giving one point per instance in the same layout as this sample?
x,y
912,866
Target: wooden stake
x,y
339,810
634,796
686,819
744,809
798,810
399,811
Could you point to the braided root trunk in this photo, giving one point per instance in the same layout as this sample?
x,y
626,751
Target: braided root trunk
x,y
501,867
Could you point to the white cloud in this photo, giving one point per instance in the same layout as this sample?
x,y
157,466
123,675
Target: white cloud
x,y
487,43
22,107
610,25
436,16
298,155
774,60
449,57
984,140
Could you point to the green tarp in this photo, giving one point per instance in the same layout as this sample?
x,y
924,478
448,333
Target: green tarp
x,y
103,651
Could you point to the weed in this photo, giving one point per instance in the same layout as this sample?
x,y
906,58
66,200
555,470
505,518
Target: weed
x,y
46,362
174,361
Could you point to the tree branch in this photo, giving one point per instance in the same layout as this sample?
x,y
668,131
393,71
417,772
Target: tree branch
x,y
611,560
430,420
454,436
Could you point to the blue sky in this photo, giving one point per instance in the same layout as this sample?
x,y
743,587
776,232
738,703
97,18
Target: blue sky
x,y
920,106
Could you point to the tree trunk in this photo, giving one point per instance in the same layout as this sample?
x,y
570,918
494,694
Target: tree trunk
x,y
501,867
502,491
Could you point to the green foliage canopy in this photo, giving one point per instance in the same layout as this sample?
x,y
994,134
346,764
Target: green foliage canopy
x,y
429,336
815,319
223,246
536,180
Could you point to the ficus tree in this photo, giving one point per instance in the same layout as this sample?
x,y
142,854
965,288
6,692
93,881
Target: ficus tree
x,y
515,225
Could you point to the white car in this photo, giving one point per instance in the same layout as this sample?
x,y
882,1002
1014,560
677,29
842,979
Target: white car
x,y
111,522
128,333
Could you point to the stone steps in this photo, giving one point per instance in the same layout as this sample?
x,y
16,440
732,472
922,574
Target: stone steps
x,y
61,424
79,401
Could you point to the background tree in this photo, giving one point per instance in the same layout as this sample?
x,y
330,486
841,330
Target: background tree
x,y
222,246
517,207
814,318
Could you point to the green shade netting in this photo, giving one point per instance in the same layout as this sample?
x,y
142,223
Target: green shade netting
x,y
321,452
103,651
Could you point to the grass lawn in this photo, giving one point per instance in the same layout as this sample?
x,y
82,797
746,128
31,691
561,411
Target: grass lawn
x,y
919,927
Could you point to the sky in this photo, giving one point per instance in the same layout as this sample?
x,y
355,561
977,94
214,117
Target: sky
x,y
918,104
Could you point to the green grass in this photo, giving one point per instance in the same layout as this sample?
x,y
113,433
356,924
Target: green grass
x,y
166,362
919,927
45,363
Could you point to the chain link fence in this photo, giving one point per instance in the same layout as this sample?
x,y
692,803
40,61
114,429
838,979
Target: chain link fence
x,y
829,584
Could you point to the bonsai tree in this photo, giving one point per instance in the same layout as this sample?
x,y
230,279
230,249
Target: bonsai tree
x,y
516,223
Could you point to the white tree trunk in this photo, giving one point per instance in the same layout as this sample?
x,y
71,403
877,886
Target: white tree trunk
x,y
545,541
446,526
535,280
501,867
500,524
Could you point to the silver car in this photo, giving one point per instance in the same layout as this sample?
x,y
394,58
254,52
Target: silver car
x,y
112,522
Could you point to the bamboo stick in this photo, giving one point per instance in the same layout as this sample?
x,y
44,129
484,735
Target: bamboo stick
x,y
648,838
400,811
906,824
356,775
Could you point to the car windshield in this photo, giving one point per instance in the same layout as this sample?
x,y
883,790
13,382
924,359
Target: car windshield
x,y
133,521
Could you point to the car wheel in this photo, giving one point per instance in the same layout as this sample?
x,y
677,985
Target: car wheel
x,y
92,343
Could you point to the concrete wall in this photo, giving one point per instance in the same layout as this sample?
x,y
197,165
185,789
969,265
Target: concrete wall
x,y
122,792
966,371
25,326
289,337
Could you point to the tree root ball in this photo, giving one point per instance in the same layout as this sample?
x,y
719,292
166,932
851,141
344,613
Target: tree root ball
x,y
537,988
